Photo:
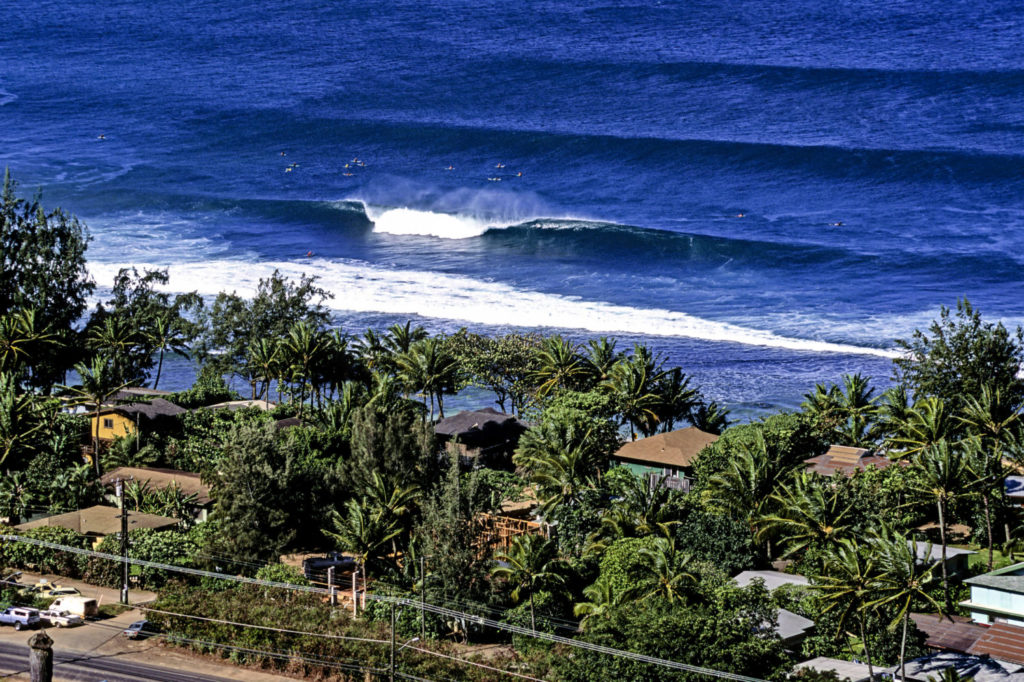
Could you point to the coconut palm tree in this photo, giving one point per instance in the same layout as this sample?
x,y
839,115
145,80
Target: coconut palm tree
x,y
301,349
903,580
264,360
677,399
559,365
945,475
20,417
561,459
992,421
430,369
20,337
811,513
848,587
15,497
115,338
399,338
744,488
667,574
166,336
710,417
99,383
633,383
602,598
601,357
642,509
529,564
364,532
925,424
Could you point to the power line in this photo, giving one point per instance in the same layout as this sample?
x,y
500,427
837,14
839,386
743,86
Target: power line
x,y
439,610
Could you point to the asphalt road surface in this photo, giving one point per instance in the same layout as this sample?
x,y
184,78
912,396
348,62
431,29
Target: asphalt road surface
x,y
95,668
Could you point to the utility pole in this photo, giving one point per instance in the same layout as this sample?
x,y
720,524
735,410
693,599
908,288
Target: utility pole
x,y
355,591
391,677
119,487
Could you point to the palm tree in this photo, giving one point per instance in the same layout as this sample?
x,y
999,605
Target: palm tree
x,y
677,399
744,488
561,459
848,586
710,417
264,360
847,413
20,417
15,496
530,563
991,420
668,576
391,503
602,599
99,384
643,508
925,424
602,356
559,365
633,384
301,349
363,532
431,370
166,336
945,475
19,339
903,580
115,339
399,338
811,513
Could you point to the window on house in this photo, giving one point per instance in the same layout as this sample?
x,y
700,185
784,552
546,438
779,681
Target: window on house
x,y
108,423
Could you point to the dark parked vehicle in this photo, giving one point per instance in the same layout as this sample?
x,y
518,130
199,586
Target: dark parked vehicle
x,y
315,568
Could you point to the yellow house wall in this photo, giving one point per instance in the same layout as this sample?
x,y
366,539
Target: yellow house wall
x,y
123,426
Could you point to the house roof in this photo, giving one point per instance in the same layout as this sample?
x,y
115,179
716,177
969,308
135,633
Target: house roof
x,y
136,392
949,633
933,551
674,449
845,460
287,423
101,520
981,668
188,482
1002,641
772,579
158,407
474,422
792,626
234,405
1007,579
845,670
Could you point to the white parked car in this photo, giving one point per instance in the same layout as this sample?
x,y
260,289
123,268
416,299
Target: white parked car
x,y
59,619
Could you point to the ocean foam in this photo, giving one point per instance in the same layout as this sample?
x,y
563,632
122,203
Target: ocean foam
x,y
407,221
360,287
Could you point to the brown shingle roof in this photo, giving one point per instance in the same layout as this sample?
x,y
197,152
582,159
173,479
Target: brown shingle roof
x,y
845,460
1003,642
958,634
675,448
188,482
100,521
158,407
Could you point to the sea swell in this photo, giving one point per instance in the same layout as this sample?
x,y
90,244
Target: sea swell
x,y
360,287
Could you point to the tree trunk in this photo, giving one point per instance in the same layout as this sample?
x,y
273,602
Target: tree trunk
x,y
903,647
96,440
988,527
867,650
159,368
942,536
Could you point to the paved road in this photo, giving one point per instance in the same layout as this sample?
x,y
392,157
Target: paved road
x,y
95,668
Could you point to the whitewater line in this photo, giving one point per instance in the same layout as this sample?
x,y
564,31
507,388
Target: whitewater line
x,y
360,287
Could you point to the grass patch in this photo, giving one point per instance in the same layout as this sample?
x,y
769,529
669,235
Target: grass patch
x,y
111,610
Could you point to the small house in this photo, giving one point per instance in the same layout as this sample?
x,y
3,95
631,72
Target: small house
x,y
484,436
998,596
158,479
666,456
100,521
844,670
791,627
118,421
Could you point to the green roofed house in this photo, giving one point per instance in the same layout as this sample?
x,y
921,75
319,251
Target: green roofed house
x,y
667,456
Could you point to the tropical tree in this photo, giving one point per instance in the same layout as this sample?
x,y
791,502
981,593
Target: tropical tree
x,y
264,363
116,339
167,336
361,530
399,338
710,417
16,497
633,382
642,508
811,514
667,576
848,587
677,399
602,598
99,383
903,580
848,413
529,564
945,477
559,365
20,339
562,457
431,370
925,424
992,421
21,417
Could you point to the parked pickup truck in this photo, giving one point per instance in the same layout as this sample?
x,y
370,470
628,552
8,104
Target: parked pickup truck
x,y
59,619
20,617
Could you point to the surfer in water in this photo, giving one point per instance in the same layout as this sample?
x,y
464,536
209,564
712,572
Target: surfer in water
x,y
309,254
450,167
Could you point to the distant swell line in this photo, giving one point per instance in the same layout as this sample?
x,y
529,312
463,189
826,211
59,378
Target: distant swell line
x,y
359,287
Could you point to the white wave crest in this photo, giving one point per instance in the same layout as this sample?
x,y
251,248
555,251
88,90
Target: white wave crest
x,y
360,287
407,221
7,97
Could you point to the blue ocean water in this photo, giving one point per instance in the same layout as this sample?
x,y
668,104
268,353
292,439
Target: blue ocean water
x,y
769,193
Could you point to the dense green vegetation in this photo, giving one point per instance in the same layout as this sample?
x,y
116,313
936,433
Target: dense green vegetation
x,y
622,563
